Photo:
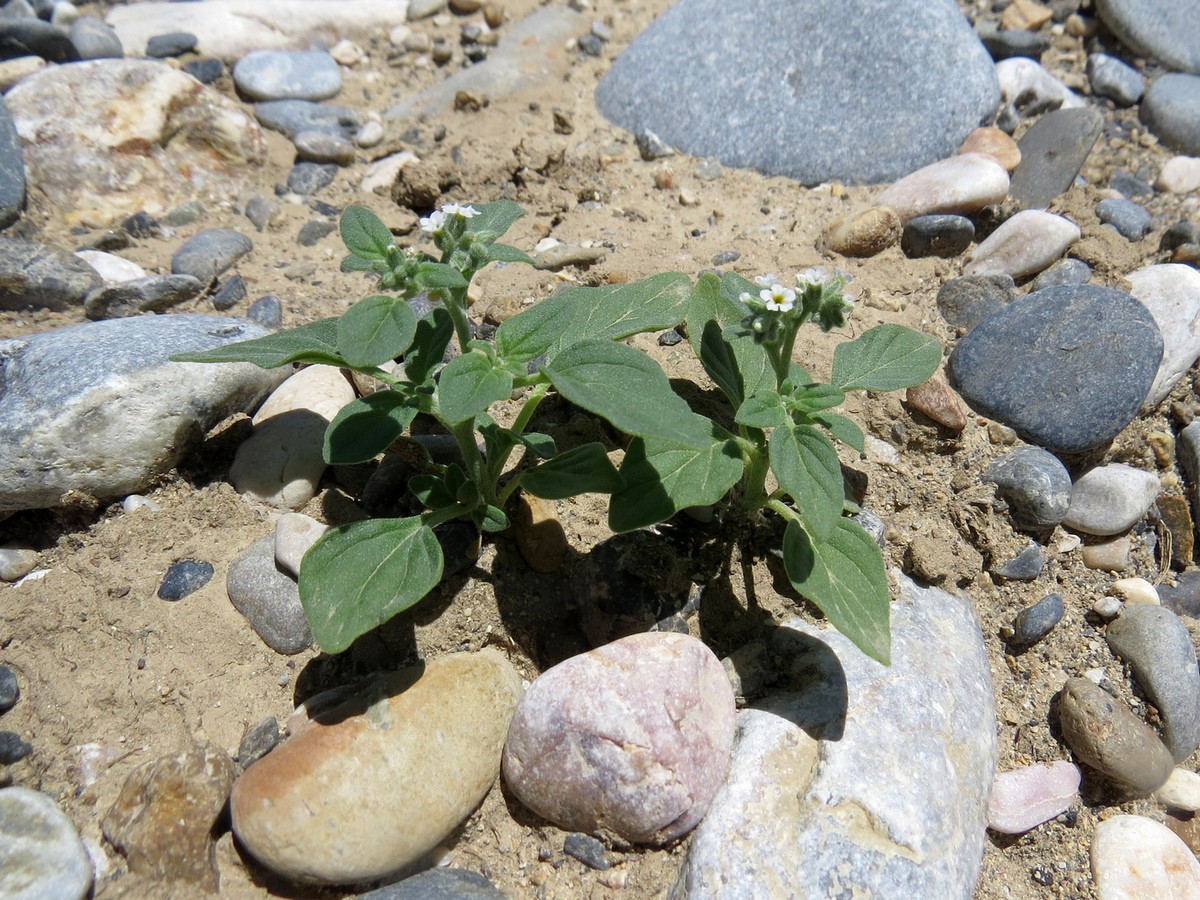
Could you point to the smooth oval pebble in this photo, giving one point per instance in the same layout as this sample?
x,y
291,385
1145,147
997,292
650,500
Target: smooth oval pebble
x,y
1035,485
1110,499
939,235
995,143
268,598
295,533
42,854
210,252
1109,556
372,780
17,559
1171,109
862,233
1131,220
1172,294
1025,82
10,689
287,75
1135,858
936,399
1024,245
1025,798
1182,791
1179,175
962,184
1106,736
1035,622
631,739
1136,590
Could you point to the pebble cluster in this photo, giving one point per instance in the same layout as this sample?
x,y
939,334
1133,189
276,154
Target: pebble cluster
x,y
640,741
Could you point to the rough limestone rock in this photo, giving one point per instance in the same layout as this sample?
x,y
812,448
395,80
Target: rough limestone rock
x,y
861,780
373,779
98,409
856,91
231,28
141,136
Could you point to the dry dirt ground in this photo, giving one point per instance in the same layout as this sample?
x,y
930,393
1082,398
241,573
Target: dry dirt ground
x,y
112,676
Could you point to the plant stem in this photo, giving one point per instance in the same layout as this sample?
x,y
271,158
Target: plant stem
x,y
526,414
456,305
464,433
754,478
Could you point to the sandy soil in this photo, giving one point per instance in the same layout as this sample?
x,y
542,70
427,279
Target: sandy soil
x,y
104,664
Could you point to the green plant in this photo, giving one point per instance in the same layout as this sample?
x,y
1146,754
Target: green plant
x,y
360,575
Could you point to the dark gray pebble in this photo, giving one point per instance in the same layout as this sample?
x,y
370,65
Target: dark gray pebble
x,y
12,170
266,311
966,301
23,36
1035,622
95,39
308,177
205,70
1113,79
1132,221
1035,485
591,45
1025,566
438,884
258,742
34,276
176,43
185,577
651,146
725,257
1171,109
210,252
1129,185
586,849
669,338
1183,597
153,293
13,748
1180,233
10,689
1010,43
230,294
294,116
311,233
1103,355
1052,152
141,225
1065,271
941,235
261,209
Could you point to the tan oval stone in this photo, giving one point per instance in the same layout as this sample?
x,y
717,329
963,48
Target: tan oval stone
x,y
539,533
993,142
1179,175
1024,245
1110,556
936,399
371,781
961,185
862,233
1136,857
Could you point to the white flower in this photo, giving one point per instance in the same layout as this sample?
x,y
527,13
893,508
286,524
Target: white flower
x,y
766,281
745,297
817,276
778,298
466,212
434,222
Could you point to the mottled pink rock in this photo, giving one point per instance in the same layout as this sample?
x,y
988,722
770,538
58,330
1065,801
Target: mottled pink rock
x,y
1025,798
1134,857
961,184
630,740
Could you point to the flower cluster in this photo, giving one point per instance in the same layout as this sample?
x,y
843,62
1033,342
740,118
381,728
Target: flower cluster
x,y
436,221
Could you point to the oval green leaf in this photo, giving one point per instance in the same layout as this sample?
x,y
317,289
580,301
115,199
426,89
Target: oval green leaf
x,y
886,358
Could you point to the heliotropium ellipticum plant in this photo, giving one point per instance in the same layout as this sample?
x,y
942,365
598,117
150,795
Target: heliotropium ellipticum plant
x,y
360,575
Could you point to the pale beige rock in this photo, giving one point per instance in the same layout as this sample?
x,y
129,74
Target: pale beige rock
x,y
141,136
381,174
962,184
1026,15
112,268
1110,556
993,142
1171,292
1024,245
1135,858
230,29
14,71
371,781
1179,175
1025,83
295,533
862,233
1182,791
281,462
1135,590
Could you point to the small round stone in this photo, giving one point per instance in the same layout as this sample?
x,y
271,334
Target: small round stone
x,y
1025,566
1035,485
863,233
309,177
1107,607
230,294
185,577
17,560
1131,220
258,742
1113,79
205,70
938,235
1065,271
586,849
13,748
53,862
176,43
10,689
266,311
209,253
288,75
1035,622
966,301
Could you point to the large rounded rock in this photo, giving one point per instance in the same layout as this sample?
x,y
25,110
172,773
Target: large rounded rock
x,y
1166,30
1066,367
371,780
98,408
1133,856
40,851
631,739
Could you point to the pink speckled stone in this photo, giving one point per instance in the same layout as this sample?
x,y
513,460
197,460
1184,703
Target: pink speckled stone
x,y
1025,798
630,740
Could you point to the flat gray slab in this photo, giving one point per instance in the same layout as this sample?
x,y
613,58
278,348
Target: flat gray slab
x,y
857,91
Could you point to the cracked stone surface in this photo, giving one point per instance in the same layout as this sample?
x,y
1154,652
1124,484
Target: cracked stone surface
x,y
859,780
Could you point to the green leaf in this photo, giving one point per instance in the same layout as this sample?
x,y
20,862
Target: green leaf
x,y
811,398
393,563
469,385
367,426
737,365
886,358
494,219
626,387
312,343
435,276
807,468
490,518
504,253
364,233
613,311
585,469
844,577
842,428
762,410
663,477
432,491
355,263
428,348
499,441
375,330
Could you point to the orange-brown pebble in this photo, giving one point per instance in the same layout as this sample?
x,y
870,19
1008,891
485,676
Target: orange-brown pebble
x,y
995,143
862,233
936,399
